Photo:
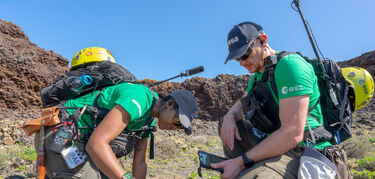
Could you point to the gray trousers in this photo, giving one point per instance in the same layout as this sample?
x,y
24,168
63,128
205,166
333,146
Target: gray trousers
x,y
57,168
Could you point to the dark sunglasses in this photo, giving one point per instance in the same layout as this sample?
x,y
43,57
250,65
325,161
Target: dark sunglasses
x,y
248,51
176,120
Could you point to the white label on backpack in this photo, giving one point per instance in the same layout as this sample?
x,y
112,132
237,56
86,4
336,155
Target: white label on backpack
x,y
73,157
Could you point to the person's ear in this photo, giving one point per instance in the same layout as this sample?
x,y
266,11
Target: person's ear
x,y
170,103
263,39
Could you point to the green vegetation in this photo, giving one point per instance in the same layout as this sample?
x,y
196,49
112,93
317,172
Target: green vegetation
x,y
361,150
21,168
27,154
365,174
3,159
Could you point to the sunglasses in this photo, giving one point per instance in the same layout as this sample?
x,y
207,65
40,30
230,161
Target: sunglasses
x,y
176,120
247,52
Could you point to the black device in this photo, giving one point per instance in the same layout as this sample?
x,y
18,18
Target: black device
x,y
187,73
205,160
61,139
247,162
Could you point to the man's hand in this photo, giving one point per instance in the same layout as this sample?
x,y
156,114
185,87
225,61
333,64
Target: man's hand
x,y
229,129
231,167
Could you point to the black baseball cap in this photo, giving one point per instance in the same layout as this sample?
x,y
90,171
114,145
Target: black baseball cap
x,y
187,108
239,38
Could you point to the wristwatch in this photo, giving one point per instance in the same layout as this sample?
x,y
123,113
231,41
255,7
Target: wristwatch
x,y
247,162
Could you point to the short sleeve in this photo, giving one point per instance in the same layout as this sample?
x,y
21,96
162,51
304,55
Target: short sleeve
x,y
135,101
294,77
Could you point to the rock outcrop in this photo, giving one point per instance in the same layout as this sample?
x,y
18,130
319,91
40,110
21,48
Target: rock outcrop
x,y
26,68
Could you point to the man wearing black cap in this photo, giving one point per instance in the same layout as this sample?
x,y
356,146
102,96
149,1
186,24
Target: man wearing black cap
x,y
258,148
132,108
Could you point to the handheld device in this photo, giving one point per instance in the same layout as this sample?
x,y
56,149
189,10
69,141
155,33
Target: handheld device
x,y
62,137
205,160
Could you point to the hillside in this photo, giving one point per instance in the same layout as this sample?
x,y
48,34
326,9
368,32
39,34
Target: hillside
x,y
27,68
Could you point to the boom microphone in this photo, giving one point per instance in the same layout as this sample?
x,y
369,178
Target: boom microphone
x,y
194,71
189,72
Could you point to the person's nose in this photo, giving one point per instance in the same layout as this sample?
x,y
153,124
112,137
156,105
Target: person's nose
x,y
242,62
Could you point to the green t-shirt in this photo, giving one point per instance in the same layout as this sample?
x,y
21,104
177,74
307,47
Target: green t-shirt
x,y
134,98
294,76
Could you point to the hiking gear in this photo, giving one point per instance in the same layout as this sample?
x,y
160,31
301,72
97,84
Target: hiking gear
x,y
313,164
261,108
247,52
41,155
77,83
124,144
101,74
73,157
337,120
239,38
50,117
331,93
62,137
363,85
91,54
187,108
338,156
187,73
56,166
297,4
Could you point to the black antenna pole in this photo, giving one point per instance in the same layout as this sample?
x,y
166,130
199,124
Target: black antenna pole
x,y
324,74
187,73
296,2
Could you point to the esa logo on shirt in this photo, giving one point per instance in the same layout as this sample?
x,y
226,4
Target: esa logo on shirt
x,y
286,89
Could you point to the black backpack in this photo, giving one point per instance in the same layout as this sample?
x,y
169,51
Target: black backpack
x,y
103,74
337,114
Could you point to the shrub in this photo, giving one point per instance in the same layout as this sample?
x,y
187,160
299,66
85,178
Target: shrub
x,y
365,174
28,154
367,163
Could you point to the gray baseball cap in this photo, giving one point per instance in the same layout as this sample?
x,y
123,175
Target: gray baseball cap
x,y
187,108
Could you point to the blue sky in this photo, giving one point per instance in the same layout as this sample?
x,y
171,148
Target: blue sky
x,y
159,39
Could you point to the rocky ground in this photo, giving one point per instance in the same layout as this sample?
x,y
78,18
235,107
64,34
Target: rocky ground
x,y
26,68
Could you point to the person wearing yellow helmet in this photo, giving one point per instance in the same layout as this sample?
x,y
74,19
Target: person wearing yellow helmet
x,y
112,121
363,85
91,55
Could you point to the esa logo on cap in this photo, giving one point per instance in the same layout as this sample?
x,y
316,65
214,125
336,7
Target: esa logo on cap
x,y
233,40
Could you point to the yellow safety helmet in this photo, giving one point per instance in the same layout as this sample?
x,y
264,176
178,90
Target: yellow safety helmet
x,y
363,85
91,54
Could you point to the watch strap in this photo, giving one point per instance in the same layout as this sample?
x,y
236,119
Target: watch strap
x,y
246,161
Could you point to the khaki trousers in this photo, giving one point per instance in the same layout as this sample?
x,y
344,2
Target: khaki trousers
x,y
283,166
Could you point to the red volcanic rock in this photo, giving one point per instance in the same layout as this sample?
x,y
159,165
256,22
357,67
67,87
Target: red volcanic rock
x,y
25,68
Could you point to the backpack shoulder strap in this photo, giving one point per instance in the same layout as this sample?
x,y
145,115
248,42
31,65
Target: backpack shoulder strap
x,y
272,60
270,63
